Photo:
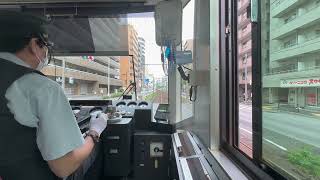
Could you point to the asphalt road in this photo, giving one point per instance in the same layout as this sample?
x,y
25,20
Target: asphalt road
x,y
283,130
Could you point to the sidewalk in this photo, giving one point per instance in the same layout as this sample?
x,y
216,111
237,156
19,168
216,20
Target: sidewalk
x,y
286,108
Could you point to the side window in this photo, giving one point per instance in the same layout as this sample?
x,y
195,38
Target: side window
x,y
187,37
244,64
290,85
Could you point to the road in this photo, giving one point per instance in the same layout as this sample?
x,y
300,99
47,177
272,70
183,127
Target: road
x,y
245,128
281,129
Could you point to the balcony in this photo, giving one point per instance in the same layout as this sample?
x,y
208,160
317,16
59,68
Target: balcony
x,y
51,71
281,7
243,23
244,49
244,36
90,64
241,66
308,19
242,7
310,46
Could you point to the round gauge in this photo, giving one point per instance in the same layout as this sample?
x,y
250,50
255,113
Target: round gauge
x,y
121,104
75,110
132,104
143,104
123,112
95,111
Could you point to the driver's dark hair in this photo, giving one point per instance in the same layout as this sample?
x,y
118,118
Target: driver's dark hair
x,y
18,29
17,45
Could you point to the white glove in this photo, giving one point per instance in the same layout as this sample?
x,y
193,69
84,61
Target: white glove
x,y
98,122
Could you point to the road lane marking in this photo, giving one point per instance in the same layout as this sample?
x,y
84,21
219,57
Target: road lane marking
x,y
281,147
271,142
245,130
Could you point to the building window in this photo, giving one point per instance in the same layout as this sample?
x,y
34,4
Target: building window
x,y
317,63
290,43
311,96
243,76
290,18
318,99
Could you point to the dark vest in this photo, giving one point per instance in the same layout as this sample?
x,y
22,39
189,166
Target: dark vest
x,y
20,158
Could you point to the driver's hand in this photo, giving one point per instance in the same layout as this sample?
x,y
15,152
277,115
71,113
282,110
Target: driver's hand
x,y
98,122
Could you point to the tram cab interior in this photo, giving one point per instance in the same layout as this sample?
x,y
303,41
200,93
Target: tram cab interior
x,y
153,140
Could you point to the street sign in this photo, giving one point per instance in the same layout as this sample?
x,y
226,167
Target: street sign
x,y
307,82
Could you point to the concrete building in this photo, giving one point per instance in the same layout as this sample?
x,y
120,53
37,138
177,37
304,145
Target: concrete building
x,y
244,51
85,77
126,62
188,45
142,60
293,77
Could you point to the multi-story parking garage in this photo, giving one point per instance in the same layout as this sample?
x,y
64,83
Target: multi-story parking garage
x,y
83,76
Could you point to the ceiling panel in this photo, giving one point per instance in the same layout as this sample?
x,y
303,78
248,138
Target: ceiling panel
x,y
147,2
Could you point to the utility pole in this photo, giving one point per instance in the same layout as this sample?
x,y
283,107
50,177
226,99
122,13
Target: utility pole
x,y
63,75
153,83
109,76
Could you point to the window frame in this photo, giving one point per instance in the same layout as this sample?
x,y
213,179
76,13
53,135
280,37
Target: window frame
x,y
255,167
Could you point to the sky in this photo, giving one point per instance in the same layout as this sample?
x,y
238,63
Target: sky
x,y
145,26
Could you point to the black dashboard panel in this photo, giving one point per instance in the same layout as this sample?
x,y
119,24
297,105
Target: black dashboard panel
x,y
131,145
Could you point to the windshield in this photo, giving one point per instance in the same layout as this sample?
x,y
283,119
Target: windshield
x,y
100,76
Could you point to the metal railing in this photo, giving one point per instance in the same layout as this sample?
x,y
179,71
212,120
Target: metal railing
x,y
276,3
292,70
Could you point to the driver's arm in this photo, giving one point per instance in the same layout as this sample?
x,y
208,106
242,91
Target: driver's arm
x,y
59,138
70,162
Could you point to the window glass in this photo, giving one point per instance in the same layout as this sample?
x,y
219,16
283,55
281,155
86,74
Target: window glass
x,y
188,42
152,82
106,77
291,81
244,80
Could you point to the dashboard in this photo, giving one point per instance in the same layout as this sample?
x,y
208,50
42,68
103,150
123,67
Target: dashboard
x,y
127,107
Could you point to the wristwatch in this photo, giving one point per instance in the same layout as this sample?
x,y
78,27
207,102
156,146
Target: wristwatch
x,y
94,135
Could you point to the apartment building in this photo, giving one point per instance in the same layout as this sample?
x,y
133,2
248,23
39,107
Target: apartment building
x,y
244,51
293,77
126,62
142,60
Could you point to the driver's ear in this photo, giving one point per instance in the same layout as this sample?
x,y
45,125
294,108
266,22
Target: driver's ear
x,y
33,45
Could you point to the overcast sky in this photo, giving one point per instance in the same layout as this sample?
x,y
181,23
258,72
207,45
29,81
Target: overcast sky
x,y
145,26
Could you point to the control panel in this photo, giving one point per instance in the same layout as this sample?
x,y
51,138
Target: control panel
x,y
127,107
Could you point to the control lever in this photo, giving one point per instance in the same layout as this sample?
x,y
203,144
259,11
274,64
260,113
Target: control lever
x,y
157,149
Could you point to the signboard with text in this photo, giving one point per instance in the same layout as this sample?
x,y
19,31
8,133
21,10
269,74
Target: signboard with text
x,y
308,82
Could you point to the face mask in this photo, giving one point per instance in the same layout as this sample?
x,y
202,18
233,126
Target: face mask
x,y
42,63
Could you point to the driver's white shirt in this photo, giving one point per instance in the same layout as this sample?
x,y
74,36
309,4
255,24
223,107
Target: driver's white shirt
x,y
37,101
